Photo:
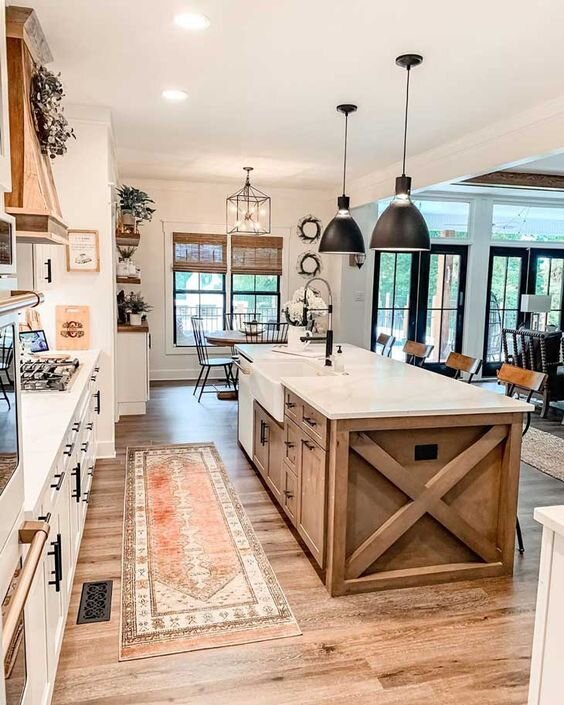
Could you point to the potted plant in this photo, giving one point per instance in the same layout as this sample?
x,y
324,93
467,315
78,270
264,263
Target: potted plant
x,y
134,207
137,307
294,312
126,267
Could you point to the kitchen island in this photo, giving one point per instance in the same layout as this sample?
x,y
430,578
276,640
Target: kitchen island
x,y
392,475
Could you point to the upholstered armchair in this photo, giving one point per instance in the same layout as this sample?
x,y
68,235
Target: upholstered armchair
x,y
539,351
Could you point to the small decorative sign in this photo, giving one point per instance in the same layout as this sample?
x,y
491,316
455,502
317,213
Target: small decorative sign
x,y
83,251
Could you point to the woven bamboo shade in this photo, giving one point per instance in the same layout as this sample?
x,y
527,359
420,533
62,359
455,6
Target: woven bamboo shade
x,y
256,254
195,252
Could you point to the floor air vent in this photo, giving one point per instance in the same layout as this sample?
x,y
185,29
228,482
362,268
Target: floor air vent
x,y
95,602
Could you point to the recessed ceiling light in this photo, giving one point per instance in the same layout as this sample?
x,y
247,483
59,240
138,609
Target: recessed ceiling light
x,y
175,95
192,21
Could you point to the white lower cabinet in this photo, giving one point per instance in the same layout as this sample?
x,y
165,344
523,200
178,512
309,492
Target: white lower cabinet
x,y
132,372
63,504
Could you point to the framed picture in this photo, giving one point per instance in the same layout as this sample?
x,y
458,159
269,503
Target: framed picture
x,y
83,251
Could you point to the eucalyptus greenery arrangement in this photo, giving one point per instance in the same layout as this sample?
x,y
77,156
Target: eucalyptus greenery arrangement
x,y
134,202
126,253
51,125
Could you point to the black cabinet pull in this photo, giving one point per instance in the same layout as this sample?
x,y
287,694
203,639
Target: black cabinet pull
x,y
309,445
98,402
309,421
290,405
91,471
84,447
76,426
90,426
46,517
49,277
289,444
61,478
77,488
69,447
86,497
288,494
57,555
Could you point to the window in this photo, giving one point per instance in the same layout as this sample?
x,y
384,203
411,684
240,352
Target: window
x,y
199,268
523,223
257,294
445,219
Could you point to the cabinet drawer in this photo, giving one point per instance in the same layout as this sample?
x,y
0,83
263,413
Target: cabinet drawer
x,y
291,445
289,493
314,424
292,406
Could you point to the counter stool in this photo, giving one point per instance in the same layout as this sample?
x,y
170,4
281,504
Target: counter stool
x,y
416,353
387,343
530,382
463,363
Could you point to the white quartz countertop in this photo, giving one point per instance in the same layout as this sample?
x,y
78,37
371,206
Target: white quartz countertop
x,y
374,386
45,419
551,517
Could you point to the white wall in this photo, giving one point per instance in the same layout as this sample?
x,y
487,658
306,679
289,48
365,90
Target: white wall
x,y
200,207
82,178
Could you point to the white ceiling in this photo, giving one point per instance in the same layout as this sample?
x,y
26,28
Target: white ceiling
x,y
264,80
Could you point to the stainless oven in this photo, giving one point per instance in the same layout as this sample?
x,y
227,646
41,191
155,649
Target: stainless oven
x,y
7,244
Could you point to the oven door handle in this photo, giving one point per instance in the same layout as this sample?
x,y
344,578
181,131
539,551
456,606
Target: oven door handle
x,y
33,533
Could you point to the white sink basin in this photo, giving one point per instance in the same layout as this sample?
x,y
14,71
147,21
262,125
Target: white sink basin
x,y
265,385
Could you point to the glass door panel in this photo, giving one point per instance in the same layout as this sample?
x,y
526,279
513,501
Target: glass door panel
x,y
507,280
547,278
394,289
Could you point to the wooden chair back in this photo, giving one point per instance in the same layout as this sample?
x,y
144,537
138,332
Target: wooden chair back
x,y
463,363
416,353
200,339
387,343
518,378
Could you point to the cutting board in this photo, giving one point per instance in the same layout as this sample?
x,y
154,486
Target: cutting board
x,y
72,325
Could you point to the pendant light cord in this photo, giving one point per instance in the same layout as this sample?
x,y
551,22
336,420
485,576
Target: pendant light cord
x,y
345,155
405,122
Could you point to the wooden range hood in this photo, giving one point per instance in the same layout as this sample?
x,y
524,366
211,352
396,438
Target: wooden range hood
x,y
33,200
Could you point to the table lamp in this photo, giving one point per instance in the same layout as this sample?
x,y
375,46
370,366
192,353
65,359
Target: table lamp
x,y
535,304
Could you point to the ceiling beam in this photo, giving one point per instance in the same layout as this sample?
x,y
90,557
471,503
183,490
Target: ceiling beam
x,y
518,179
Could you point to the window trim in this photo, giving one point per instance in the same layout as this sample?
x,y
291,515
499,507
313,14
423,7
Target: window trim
x,y
255,292
524,203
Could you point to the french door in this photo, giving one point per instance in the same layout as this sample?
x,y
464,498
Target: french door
x,y
514,271
421,297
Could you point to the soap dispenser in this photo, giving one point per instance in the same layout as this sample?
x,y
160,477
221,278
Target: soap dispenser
x,y
339,360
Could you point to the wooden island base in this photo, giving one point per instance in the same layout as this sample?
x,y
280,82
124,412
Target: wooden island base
x,y
387,503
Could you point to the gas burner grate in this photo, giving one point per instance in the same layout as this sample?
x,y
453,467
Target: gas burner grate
x,y
95,602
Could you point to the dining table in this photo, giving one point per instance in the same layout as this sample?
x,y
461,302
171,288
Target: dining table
x,y
229,338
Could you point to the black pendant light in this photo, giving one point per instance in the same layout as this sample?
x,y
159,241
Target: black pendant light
x,y
401,227
342,236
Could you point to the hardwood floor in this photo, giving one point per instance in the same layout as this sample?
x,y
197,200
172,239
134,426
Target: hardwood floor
x,y
464,644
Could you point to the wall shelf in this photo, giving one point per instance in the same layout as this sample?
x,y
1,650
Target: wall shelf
x,y
127,239
128,280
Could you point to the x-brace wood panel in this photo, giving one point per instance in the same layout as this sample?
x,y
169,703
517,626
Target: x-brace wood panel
x,y
425,498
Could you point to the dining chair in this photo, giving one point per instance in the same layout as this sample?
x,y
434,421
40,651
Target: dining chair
x,y
234,321
270,332
463,363
387,343
207,362
416,353
529,382
6,359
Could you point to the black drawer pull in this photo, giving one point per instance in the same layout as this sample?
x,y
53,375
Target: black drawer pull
x,y
84,447
289,444
90,426
86,497
77,490
46,517
98,402
290,405
309,421
91,471
57,555
309,445
49,265
76,426
61,478
288,494
69,448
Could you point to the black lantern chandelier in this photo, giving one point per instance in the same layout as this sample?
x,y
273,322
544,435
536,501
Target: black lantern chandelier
x,y
343,236
248,210
401,227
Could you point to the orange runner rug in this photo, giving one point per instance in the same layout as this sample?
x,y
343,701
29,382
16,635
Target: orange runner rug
x,y
194,575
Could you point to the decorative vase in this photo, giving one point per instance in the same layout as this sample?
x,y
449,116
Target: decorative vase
x,y
135,319
294,335
123,268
